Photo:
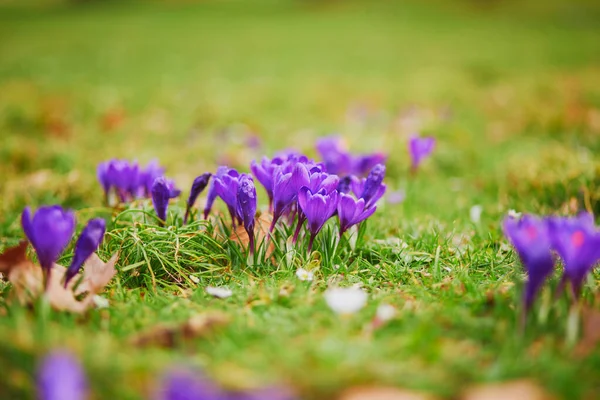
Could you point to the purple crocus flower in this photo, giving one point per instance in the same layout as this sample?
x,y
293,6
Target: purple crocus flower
x,y
285,189
246,206
345,184
186,385
317,208
198,186
531,238
61,377
577,241
224,185
336,158
148,175
372,188
419,148
88,242
49,232
161,193
363,164
351,211
265,174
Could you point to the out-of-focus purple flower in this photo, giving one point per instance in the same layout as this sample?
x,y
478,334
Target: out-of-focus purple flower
x,y
363,164
61,377
161,193
317,208
186,385
49,232
88,243
273,393
345,184
198,186
531,238
286,187
246,207
577,241
372,188
173,190
396,197
351,211
265,173
336,158
148,175
419,148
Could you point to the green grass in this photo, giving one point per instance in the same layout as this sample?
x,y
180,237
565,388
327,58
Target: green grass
x,y
511,91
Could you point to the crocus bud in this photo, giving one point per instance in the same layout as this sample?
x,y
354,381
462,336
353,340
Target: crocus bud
x,y
86,245
419,148
246,206
61,377
198,186
49,232
161,192
373,186
317,208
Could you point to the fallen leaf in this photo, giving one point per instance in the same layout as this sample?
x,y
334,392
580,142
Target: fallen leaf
x,y
97,274
515,390
27,280
383,393
13,256
168,335
261,232
590,336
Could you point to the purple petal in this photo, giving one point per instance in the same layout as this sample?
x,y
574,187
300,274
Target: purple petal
x,y
88,242
61,377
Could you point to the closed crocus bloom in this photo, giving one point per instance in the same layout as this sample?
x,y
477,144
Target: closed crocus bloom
x,y
198,186
285,189
265,174
317,208
577,241
61,377
372,188
49,232
246,206
86,245
351,211
224,184
149,174
419,148
161,193
531,238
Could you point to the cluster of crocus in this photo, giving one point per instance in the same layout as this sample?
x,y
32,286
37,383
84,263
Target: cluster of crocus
x,y
61,377
50,230
129,181
575,239
338,160
419,148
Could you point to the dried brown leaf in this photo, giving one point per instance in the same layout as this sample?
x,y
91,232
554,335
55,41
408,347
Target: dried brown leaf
x,y
382,393
97,274
13,256
516,390
168,335
590,337
261,232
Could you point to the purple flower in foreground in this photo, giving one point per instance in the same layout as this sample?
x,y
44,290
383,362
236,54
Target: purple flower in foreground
x,y
577,241
317,208
285,189
265,174
351,212
49,232
61,377
186,385
531,238
88,242
198,186
372,188
419,148
161,193
225,185
246,207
